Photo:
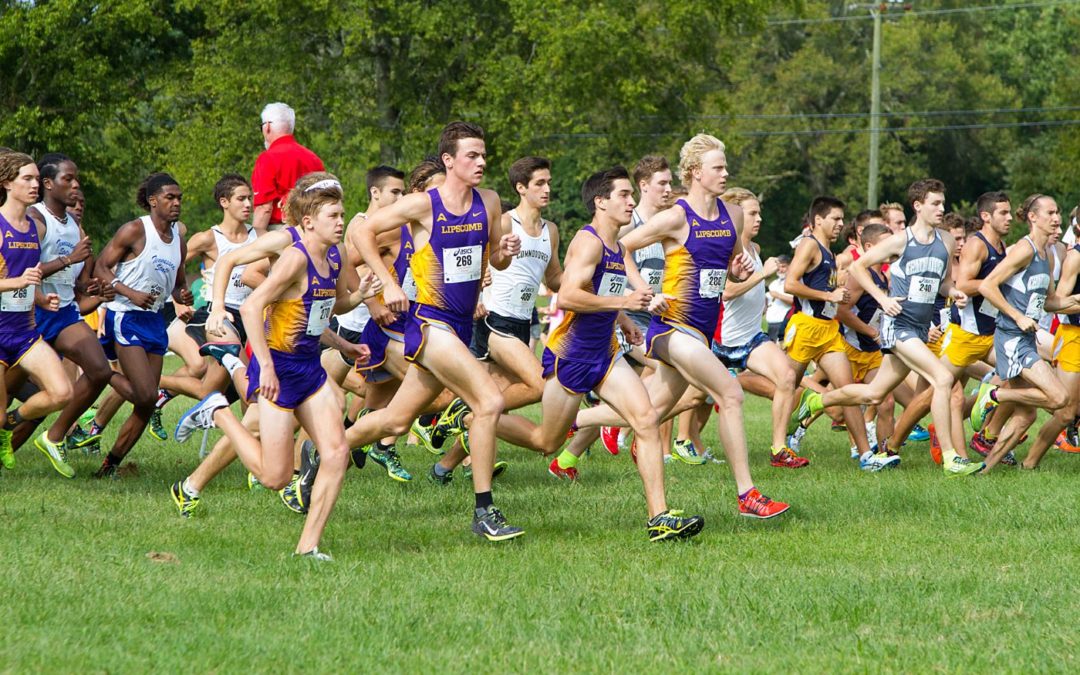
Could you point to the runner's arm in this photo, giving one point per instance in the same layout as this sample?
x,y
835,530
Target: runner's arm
x,y
264,246
554,271
1015,260
289,271
584,254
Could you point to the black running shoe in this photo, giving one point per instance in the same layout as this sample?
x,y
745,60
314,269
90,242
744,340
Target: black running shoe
x,y
451,422
443,480
217,351
309,468
492,526
673,525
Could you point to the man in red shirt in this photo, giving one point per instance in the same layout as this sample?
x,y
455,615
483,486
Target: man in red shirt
x,y
279,166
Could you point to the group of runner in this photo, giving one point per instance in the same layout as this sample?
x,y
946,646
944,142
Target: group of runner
x,y
421,310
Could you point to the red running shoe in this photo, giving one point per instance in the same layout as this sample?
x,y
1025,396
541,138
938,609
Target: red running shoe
x,y
935,447
609,436
981,445
786,458
555,470
757,505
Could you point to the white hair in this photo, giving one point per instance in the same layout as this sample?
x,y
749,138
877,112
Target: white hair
x,y
280,115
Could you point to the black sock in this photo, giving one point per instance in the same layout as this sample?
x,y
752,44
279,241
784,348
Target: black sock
x,y
428,420
13,418
483,501
383,447
113,460
349,422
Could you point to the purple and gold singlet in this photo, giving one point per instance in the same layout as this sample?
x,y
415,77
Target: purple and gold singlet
x,y
695,275
591,336
19,251
293,326
449,269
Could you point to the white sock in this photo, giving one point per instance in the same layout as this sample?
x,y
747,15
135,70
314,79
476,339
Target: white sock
x,y
188,490
622,436
231,363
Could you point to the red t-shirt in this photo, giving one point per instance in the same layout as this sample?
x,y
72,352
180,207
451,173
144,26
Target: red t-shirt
x,y
277,169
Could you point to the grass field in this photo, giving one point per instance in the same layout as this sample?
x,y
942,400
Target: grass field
x,y
899,571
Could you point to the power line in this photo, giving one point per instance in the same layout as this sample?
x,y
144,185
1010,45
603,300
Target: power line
x,y
899,113
823,132
928,12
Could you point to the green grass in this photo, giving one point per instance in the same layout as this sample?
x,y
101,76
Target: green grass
x,y
899,571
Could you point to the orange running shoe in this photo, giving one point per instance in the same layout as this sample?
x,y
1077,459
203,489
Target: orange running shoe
x,y
1062,443
786,458
935,446
757,505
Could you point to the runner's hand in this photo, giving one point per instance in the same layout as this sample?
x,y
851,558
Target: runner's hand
x,y
839,295
659,303
480,312
960,299
891,306
394,298
81,252
380,314
52,302
184,312
935,333
268,382
30,277
359,353
1027,324
215,323
184,296
770,266
639,300
140,299
510,244
633,334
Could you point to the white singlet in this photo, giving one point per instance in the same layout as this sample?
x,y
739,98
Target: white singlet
x,y
61,237
152,271
236,292
512,292
740,318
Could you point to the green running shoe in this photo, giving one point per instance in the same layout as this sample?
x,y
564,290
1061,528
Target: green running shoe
x,y
90,444
156,428
424,434
673,525
808,401
389,460
253,482
684,451
55,452
7,453
290,496
960,466
88,416
185,502
983,405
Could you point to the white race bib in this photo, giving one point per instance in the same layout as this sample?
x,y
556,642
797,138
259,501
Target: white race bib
x,y
923,290
18,300
159,299
409,285
319,316
63,277
875,320
611,284
828,310
461,264
523,297
711,283
654,278
1035,306
987,309
236,292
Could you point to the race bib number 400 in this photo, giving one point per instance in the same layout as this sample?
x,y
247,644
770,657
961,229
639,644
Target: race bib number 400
x,y
18,300
461,264
611,284
923,290
319,317
711,283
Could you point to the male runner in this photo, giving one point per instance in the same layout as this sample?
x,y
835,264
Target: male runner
x,y
457,232
701,238
919,275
